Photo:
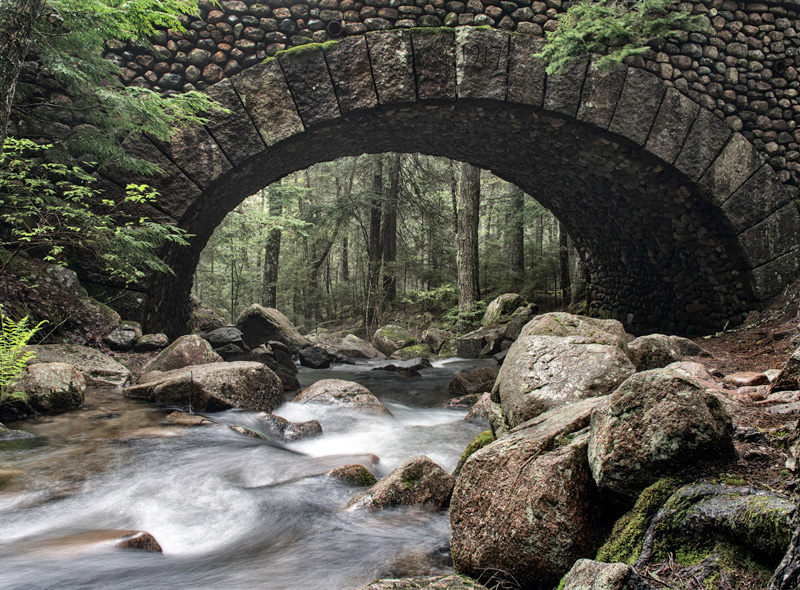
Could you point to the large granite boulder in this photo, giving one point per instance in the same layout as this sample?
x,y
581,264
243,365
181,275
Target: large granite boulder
x,y
588,330
789,378
52,387
436,339
186,351
471,382
452,582
151,342
524,507
688,348
354,347
276,356
596,575
123,337
260,325
544,372
206,319
653,351
337,392
213,387
389,338
418,481
315,357
98,369
501,307
225,336
479,412
654,425
480,343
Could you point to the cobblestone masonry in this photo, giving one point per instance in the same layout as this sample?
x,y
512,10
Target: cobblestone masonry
x,y
685,217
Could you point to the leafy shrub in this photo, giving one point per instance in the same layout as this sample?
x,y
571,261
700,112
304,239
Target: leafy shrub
x,y
13,358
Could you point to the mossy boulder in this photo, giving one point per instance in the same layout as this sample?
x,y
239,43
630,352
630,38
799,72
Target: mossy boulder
x,y
655,425
418,481
151,342
186,351
595,575
484,438
52,387
436,339
354,347
355,475
98,369
124,336
501,307
452,582
390,338
411,352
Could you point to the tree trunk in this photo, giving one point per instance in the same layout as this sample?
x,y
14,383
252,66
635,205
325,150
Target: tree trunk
x,y
17,18
469,200
517,238
272,252
345,261
374,245
389,231
563,259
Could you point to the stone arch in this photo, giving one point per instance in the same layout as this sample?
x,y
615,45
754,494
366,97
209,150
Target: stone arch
x,y
683,224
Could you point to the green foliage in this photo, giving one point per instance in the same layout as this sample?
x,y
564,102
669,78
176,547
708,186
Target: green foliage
x,y
55,210
437,299
13,358
69,43
614,28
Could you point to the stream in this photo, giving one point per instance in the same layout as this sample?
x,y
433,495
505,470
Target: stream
x,y
228,510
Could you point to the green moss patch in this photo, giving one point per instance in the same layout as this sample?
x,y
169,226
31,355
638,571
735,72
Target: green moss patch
x,y
483,439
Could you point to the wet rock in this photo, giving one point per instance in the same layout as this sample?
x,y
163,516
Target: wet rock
x,y
123,337
518,320
354,475
229,351
6,434
452,582
501,307
418,481
479,343
654,425
586,329
291,431
52,387
587,574
139,540
186,351
544,372
260,325
315,357
98,540
410,352
745,379
98,369
151,343
354,347
479,412
389,338
524,507
184,419
789,379
653,351
337,392
228,335
472,382
436,339
212,387
412,366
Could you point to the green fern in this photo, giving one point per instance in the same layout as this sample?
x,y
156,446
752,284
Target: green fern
x,y
13,356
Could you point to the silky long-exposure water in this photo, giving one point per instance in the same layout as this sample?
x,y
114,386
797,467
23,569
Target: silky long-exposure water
x,y
228,510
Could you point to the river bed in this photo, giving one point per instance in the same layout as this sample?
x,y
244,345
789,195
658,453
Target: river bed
x,y
228,510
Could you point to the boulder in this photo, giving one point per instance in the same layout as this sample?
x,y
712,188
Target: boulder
x,y
479,343
315,357
654,425
213,387
436,339
206,319
689,348
227,335
186,351
353,475
789,379
138,540
260,325
500,307
291,431
151,343
389,338
452,582
98,369
544,372
413,365
692,369
356,348
465,402
284,368
524,507
518,320
584,329
52,387
418,481
479,412
471,382
484,438
745,379
653,351
587,574
7,435
413,351
123,337
497,424
337,392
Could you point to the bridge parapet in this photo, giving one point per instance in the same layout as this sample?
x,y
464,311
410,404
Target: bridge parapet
x,y
744,68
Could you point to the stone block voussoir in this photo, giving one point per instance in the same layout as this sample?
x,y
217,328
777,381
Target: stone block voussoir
x,y
563,91
349,65
435,65
526,73
392,61
310,84
737,162
704,142
637,106
197,154
672,124
762,194
233,131
601,92
775,236
482,63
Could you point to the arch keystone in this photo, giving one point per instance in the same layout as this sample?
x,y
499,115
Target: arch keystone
x,y
481,63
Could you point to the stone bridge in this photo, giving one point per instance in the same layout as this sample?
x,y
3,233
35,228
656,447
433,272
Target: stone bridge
x,y
674,175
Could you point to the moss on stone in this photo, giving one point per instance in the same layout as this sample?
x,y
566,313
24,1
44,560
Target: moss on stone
x,y
304,49
411,352
625,543
480,441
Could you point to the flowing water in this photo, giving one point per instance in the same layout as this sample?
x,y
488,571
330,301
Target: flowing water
x,y
228,510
